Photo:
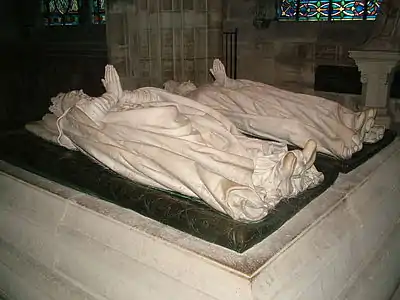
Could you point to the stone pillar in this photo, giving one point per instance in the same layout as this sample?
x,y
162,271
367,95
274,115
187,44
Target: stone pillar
x,y
376,75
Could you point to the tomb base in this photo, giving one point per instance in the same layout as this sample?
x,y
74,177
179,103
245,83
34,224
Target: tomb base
x,y
60,243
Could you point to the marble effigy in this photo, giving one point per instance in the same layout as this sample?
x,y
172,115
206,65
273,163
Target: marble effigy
x,y
357,159
61,243
173,143
188,214
265,111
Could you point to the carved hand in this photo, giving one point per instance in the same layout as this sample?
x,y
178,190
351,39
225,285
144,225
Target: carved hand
x,y
111,82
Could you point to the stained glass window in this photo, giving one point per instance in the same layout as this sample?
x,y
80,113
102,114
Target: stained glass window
x,y
313,10
67,12
373,8
99,12
287,9
328,10
348,10
61,12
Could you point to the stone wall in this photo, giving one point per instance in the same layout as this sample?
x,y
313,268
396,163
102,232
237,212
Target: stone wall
x,y
151,41
286,54
39,62
59,243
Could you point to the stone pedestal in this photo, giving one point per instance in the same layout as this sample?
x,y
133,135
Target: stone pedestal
x,y
60,243
376,70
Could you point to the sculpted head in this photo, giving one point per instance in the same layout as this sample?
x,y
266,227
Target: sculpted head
x,y
64,101
182,89
171,86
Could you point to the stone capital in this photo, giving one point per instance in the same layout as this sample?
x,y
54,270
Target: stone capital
x,y
375,56
380,75
375,65
376,68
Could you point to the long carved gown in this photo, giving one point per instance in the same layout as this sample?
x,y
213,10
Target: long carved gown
x,y
269,112
174,143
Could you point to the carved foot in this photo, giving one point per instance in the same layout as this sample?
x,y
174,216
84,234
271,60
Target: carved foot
x,y
347,152
375,134
369,123
357,143
286,169
288,165
310,153
359,121
371,113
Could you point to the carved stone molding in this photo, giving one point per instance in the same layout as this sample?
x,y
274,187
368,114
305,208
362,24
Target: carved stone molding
x,y
368,74
379,57
375,65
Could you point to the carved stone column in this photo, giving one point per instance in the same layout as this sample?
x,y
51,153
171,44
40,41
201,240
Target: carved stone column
x,y
376,75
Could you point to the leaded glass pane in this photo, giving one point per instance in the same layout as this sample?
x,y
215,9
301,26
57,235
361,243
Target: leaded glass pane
x,y
348,10
287,10
61,12
99,12
324,10
373,9
313,10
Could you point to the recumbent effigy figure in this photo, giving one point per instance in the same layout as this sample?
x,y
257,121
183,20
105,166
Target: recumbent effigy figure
x,y
268,112
171,142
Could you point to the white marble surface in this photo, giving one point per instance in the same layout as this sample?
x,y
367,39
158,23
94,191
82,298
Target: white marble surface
x,y
174,143
266,111
57,242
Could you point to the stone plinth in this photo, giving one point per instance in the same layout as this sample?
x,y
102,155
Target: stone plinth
x,y
376,69
59,243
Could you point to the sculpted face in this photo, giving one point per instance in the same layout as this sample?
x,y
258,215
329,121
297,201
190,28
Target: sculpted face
x,y
182,89
185,88
64,101
171,86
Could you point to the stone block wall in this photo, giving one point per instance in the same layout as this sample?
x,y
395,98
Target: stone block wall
x,y
151,41
51,61
286,54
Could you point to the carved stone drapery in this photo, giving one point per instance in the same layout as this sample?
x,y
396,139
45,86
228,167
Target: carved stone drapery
x,y
376,75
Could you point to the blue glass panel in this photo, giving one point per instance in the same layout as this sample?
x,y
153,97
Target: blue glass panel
x,y
287,10
324,10
314,10
99,12
344,10
373,9
61,12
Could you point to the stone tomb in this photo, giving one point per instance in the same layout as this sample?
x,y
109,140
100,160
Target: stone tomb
x,y
59,242
191,215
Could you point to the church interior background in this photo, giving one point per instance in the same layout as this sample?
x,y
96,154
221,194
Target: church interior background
x,y
60,45
52,46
